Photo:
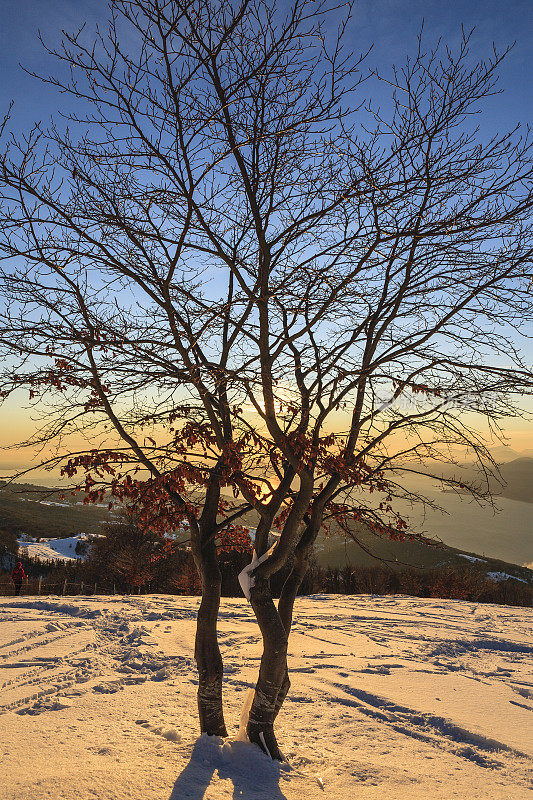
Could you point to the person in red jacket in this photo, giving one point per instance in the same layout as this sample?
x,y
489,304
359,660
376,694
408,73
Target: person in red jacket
x,y
17,576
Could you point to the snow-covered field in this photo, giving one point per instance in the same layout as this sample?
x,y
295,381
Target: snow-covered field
x,y
52,549
391,697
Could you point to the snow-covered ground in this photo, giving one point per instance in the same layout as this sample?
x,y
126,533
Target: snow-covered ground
x,y
391,697
504,576
52,549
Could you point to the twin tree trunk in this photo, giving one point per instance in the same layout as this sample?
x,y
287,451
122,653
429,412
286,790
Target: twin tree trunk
x,y
275,623
273,682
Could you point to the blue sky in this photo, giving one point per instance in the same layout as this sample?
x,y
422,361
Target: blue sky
x,y
392,25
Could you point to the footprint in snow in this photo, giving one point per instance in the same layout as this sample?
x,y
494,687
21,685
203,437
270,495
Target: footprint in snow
x,y
108,688
170,734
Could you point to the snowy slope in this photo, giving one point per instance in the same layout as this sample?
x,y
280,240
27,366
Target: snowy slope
x,y
391,697
52,549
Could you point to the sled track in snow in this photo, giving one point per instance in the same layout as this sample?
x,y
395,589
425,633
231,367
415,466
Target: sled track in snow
x,y
56,673
118,647
436,731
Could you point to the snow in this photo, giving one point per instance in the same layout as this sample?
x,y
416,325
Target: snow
x,y
471,558
504,576
391,697
53,549
246,579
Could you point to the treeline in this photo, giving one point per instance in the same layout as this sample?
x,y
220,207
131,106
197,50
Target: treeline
x,y
450,583
128,561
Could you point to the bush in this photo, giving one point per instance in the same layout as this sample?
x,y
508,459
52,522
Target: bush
x,y
131,559
8,542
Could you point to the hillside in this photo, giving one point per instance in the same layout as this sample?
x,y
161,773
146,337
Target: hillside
x,y
391,697
39,512
517,480
61,549
335,551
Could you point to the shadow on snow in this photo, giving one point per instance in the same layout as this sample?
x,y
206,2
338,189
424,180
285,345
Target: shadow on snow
x,y
253,774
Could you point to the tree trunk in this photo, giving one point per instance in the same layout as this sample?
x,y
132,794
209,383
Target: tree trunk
x,y
288,596
207,651
272,683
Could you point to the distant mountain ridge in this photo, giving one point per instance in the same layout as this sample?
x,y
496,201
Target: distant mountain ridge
x,y
515,479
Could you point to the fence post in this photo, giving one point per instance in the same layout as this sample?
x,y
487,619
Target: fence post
x,y
114,589
64,586
95,588
40,581
81,588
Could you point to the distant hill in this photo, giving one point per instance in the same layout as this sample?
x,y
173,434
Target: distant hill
x,y
501,454
39,512
515,480
518,478
336,551
526,453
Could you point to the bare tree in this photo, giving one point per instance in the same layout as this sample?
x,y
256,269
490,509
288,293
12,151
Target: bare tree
x,y
230,271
